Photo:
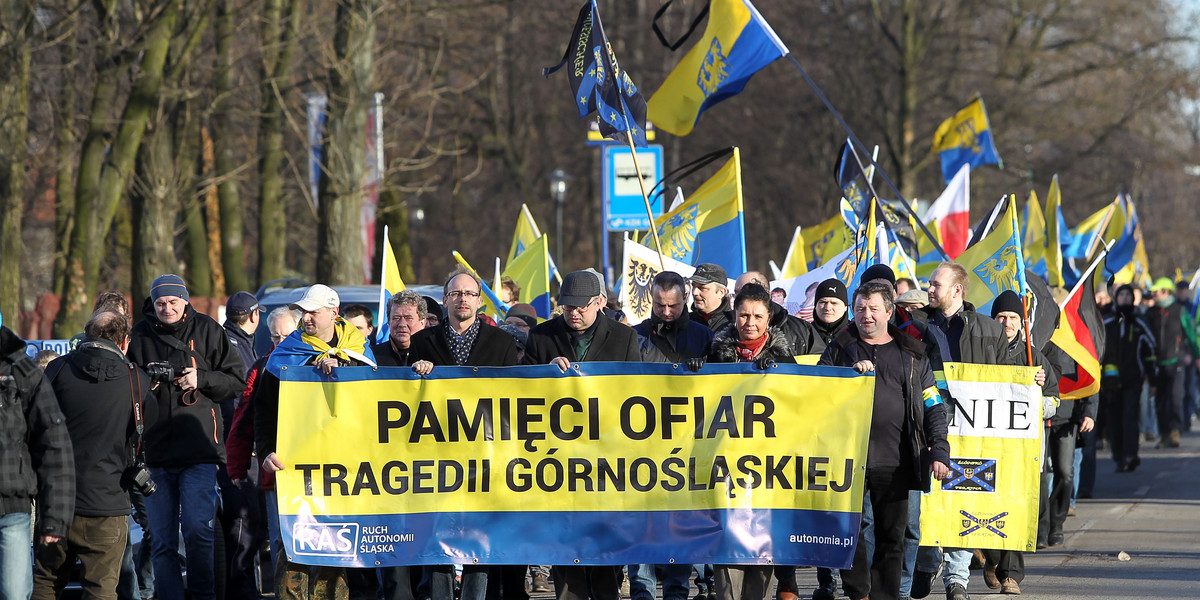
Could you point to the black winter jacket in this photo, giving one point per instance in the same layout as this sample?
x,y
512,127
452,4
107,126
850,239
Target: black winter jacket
x,y
724,347
926,424
801,336
1166,323
682,340
96,388
188,428
493,347
1129,352
613,342
36,461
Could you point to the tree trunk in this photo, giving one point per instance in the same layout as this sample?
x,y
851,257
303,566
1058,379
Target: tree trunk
x,y
153,203
233,258
16,25
394,213
279,43
339,240
104,170
64,182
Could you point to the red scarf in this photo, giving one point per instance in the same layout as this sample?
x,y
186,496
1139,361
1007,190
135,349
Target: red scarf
x,y
747,350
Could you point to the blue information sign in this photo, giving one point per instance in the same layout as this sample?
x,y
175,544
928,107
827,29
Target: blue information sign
x,y
624,208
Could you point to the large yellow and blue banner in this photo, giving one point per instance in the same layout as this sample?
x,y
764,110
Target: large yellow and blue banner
x,y
995,428
608,463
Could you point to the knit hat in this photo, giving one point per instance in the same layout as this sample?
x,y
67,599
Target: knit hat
x,y
1007,301
880,271
169,285
832,288
525,312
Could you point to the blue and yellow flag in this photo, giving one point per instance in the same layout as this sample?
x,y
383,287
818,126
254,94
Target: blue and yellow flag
x,y
1056,233
524,236
996,263
737,43
1033,236
966,139
794,263
856,189
818,240
597,82
709,226
1125,232
390,284
526,233
1087,237
531,271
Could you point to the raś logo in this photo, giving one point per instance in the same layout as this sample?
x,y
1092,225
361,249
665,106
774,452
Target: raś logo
x,y
324,539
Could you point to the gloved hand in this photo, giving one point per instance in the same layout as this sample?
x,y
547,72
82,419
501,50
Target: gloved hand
x,y
695,364
764,361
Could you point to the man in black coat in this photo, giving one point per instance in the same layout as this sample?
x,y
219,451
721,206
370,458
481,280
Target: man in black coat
x,y
461,339
97,389
36,463
184,448
710,296
907,437
577,335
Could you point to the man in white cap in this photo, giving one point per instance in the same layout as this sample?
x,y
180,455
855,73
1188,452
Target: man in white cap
x,y
327,341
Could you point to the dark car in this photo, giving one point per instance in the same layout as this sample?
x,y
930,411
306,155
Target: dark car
x,y
283,292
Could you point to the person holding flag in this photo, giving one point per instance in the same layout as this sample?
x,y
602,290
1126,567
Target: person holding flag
x,y
1006,568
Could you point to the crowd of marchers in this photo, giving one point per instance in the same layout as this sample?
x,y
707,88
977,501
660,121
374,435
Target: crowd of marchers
x,y
170,423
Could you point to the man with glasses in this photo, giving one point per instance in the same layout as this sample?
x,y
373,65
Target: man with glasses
x,y
577,335
462,339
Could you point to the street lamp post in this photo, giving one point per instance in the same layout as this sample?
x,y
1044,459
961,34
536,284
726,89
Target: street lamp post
x,y
418,216
558,192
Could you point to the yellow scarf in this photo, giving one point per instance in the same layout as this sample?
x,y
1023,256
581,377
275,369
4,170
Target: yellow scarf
x,y
351,343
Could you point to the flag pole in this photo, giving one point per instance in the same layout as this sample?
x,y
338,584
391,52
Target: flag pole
x,y
888,180
1088,272
1025,325
645,198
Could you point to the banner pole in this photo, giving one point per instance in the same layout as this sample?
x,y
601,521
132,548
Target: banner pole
x,y
646,199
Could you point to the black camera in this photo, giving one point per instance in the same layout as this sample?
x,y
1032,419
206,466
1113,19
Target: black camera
x,y
160,372
138,477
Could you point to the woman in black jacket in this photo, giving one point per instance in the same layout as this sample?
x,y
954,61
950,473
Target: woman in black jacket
x,y
751,339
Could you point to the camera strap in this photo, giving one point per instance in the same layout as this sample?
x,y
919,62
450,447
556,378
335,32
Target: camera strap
x,y
135,398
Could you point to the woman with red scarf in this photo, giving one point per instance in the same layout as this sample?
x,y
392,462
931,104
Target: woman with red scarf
x,y
748,338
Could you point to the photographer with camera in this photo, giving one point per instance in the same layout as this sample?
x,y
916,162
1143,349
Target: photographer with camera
x,y
189,357
102,396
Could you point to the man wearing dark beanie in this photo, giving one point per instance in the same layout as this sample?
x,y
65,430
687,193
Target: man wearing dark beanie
x,y
1006,568
881,272
829,312
184,447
